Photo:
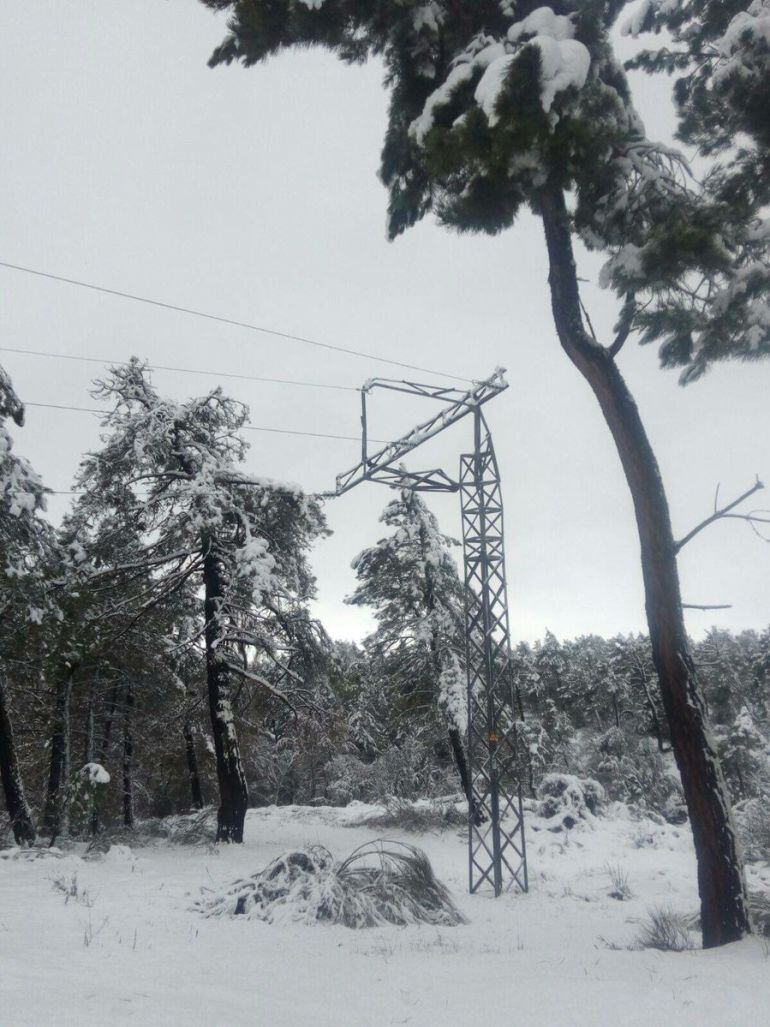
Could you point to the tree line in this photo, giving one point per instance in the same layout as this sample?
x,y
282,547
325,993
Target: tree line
x,y
157,653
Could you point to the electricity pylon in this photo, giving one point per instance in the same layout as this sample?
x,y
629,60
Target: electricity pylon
x,y
496,846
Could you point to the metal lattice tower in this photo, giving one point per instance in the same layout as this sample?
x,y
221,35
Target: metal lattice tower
x,y
496,846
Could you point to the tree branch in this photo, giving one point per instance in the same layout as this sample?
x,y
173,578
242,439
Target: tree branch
x,y
257,679
708,606
718,514
624,325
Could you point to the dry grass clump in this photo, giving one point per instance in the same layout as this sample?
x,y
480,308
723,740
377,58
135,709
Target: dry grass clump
x,y
665,930
382,882
403,815
621,889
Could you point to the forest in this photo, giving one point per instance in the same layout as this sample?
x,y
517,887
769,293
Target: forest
x,y
159,655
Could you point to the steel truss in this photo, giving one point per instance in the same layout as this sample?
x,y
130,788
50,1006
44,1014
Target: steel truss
x,y
496,846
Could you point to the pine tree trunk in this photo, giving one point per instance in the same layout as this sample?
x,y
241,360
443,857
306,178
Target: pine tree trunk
x,y
233,794
88,742
193,771
16,803
128,758
53,816
724,915
105,744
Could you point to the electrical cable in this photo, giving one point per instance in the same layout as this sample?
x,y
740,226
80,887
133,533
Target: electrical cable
x,y
226,320
181,370
246,427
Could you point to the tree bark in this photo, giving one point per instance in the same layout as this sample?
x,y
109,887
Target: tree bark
x,y
16,803
193,770
724,914
233,793
54,814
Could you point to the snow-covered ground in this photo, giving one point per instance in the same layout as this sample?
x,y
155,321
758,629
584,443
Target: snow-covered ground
x,y
129,949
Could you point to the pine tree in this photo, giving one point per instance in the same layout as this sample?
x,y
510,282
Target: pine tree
x,y
25,543
721,60
497,106
410,580
175,470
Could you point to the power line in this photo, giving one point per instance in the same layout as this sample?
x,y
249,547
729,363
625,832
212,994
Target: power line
x,y
246,427
226,320
181,370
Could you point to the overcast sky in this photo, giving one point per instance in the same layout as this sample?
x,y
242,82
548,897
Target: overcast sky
x,y
253,194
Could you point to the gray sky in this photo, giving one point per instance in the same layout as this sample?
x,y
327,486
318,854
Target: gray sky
x,y
253,194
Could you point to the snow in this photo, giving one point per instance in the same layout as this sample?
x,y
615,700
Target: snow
x,y
563,63
439,98
543,22
632,26
132,950
744,45
95,773
491,84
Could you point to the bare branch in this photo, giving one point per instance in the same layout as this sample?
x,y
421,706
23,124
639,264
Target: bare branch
x,y
707,606
718,514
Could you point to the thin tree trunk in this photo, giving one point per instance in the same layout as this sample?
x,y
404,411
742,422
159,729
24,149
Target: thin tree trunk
x,y
458,751
88,742
105,744
455,738
53,817
654,719
107,723
128,754
233,793
16,803
193,771
721,884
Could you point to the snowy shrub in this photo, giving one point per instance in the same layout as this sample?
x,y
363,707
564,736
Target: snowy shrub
x,y
566,799
665,930
86,796
382,882
421,816
759,909
407,771
743,755
752,822
632,770
197,828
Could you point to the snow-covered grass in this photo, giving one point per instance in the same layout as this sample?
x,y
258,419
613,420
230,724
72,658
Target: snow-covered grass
x,y
138,953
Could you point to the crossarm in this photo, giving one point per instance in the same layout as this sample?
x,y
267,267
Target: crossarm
x,y
458,406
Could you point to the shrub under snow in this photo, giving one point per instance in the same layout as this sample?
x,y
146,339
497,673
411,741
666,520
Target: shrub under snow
x,y
382,882
566,799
